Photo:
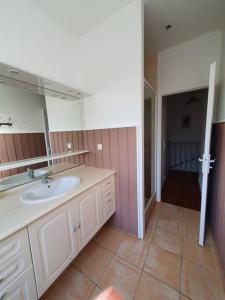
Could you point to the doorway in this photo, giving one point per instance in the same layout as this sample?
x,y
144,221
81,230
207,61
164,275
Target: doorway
x,y
183,134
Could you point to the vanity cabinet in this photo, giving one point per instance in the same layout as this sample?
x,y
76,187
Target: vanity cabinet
x,y
16,270
53,245
86,208
58,237
107,196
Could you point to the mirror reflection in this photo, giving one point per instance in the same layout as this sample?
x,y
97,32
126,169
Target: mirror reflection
x,y
35,122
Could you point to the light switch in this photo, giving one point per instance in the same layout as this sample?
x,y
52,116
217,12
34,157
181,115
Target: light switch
x,y
69,146
99,147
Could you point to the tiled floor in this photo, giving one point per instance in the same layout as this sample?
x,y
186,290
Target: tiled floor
x,y
168,264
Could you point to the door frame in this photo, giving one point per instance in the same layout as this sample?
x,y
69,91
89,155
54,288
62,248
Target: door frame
x,y
159,98
153,94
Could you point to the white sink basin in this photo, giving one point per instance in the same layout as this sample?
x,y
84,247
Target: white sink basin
x,y
53,189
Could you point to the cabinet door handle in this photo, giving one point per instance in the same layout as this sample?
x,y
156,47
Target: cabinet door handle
x,y
78,226
3,296
109,200
107,183
74,228
8,273
107,194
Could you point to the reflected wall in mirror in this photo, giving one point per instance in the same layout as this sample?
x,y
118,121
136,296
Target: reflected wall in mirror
x,y
24,136
38,117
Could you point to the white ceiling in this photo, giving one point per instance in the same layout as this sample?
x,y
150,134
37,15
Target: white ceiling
x,y
80,16
190,18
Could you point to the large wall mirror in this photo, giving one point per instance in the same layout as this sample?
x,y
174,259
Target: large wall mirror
x,y
40,127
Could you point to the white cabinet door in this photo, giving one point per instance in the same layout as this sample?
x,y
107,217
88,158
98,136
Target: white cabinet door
x,y
53,245
21,289
87,214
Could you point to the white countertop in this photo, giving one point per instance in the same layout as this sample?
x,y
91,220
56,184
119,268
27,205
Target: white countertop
x,y
15,214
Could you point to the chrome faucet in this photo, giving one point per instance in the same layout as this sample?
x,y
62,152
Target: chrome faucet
x,y
46,179
30,173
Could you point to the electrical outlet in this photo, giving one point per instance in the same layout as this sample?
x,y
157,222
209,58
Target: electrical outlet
x,y
99,147
69,146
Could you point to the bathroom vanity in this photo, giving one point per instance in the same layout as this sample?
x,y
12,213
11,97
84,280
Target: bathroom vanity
x,y
38,240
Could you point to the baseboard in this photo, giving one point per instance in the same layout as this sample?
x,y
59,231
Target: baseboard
x,y
149,209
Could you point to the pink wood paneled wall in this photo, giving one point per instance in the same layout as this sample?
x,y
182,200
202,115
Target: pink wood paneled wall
x,y
21,146
119,153
59,142
216,207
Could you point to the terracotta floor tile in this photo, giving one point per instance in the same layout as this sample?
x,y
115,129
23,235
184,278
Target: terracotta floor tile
x,y
209,240
190,229
182,297
133,250
167,241
172,210
72,285
109,237
164,266
149,232
123,276
203,256
92,261
200,284
95,293
150,288
169,223
155,213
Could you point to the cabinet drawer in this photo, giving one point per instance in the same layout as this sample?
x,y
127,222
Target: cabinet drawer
x,y
12,246
13,268
107,184
21,289
107,197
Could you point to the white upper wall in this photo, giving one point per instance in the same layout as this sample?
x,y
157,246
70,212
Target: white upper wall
x,y
186,66
106,62
24,109
63,115
220,108
116,57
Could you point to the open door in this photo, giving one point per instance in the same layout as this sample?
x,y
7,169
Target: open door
x,y
206,161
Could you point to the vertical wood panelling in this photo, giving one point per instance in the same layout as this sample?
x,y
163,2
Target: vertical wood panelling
x,y
80,146
91,148
85,139
3,155
76,146
132,163
98,154
119,154
217,190
21,146
114,158
123,175
59,141
106,159
18,150
11,151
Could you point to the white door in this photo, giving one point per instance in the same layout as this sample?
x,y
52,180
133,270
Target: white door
x,y
87,214
53,245
206,155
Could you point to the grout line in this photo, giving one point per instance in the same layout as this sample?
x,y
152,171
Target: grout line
x,y
204,268
181,252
